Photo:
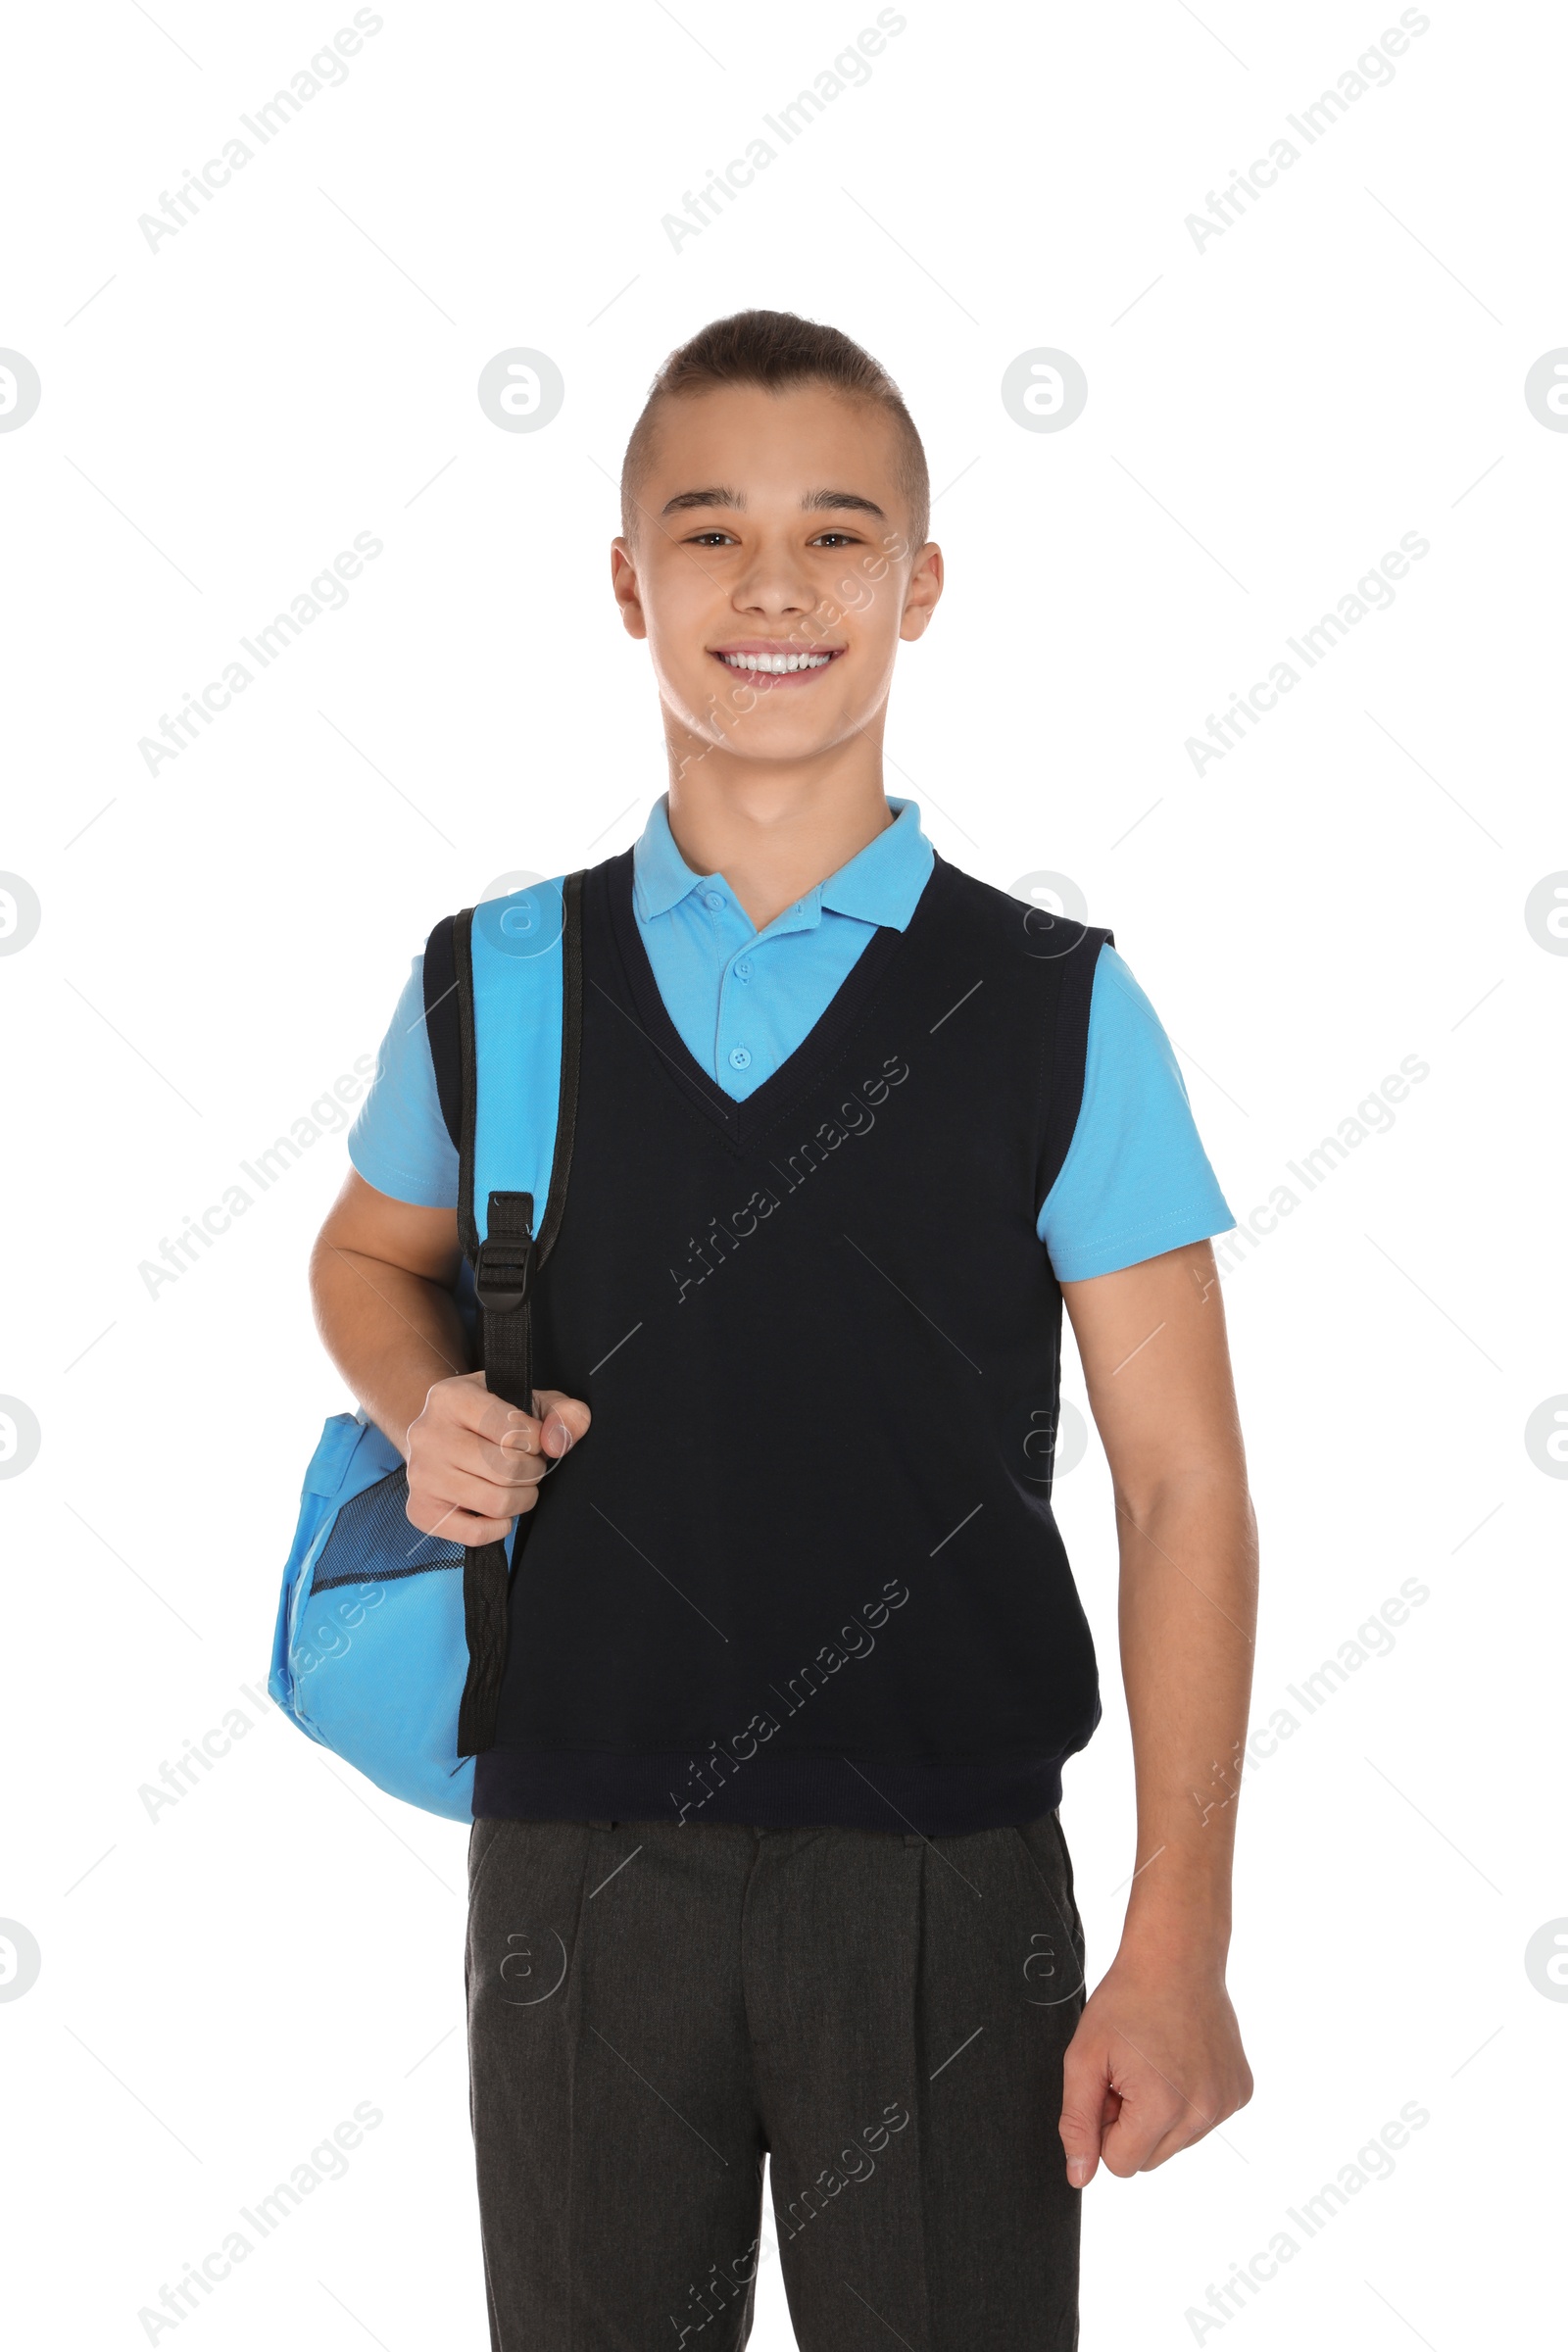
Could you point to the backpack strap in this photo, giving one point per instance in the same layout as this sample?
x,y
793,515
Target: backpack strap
x,y
441,1026
505,1264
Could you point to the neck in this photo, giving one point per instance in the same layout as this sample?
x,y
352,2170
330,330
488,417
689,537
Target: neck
x,y
775,831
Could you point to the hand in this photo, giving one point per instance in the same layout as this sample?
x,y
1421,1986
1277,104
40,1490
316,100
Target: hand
x,y
476,1462
1156,2062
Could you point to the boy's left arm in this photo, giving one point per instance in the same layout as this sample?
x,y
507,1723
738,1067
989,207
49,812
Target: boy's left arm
x,y
1156,2060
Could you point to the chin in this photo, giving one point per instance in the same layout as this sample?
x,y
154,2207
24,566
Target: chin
x,y
779,740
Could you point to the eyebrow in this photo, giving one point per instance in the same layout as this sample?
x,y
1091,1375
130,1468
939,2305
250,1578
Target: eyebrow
x,y
814,502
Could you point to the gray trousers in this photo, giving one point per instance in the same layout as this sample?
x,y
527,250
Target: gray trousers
x,y
652,2007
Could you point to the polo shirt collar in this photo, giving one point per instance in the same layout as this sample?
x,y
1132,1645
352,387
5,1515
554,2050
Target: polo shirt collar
x,y
880,884
660,874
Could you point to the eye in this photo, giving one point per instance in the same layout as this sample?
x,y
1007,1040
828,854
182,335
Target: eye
x,y
714,538
836,539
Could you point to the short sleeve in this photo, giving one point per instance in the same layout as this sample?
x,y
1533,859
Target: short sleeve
x,y
399,1141
1136,1181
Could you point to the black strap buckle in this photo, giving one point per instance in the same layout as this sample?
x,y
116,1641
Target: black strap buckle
x,y
503,1274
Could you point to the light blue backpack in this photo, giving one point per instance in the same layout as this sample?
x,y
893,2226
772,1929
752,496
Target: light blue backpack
x,y
390,1644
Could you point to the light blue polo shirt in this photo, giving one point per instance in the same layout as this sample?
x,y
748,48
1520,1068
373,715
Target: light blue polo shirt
x,y
1136,1181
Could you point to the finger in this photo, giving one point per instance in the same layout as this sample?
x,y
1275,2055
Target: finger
x,y
1139,2129
1086,2090
515,1460
565,1419
494,1418
450,1489
453,1525
1198,2118
464,1391
439,1456
1184,2133
460,1407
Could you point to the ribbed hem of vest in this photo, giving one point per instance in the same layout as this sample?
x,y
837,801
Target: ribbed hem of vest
x,y
767,1791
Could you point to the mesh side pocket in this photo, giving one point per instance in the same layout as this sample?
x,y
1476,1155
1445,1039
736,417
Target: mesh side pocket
x,y
372,1541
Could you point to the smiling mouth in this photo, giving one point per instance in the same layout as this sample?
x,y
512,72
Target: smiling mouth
x,y
777,663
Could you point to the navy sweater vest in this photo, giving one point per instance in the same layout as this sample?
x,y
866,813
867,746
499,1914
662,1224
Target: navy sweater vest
x,y
804,1567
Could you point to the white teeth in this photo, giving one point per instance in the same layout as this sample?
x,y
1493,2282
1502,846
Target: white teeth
x,y
778,664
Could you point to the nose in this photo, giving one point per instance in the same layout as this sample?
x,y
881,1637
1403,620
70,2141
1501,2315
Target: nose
x,y
775,582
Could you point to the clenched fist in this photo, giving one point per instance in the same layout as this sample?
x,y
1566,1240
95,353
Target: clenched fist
x,y
476,1462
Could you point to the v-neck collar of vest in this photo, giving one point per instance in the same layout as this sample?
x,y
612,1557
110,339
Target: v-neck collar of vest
x,y
801,1070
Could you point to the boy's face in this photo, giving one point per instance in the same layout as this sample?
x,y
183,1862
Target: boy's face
x,y
771,526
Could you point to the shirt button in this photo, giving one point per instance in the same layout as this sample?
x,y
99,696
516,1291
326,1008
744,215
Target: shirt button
x,y
739,1059
742,970
713,899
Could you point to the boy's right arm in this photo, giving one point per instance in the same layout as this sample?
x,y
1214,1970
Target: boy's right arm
x,y
381,1277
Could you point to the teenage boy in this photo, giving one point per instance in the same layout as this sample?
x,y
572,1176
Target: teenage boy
x,y
766,1855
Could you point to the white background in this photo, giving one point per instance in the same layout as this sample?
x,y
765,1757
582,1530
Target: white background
x,y
1267,415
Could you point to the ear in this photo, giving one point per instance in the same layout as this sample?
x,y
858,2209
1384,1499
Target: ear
x,y
625,589
921,594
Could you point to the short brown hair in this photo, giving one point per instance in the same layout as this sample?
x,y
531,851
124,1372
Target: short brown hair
x,y
776,349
